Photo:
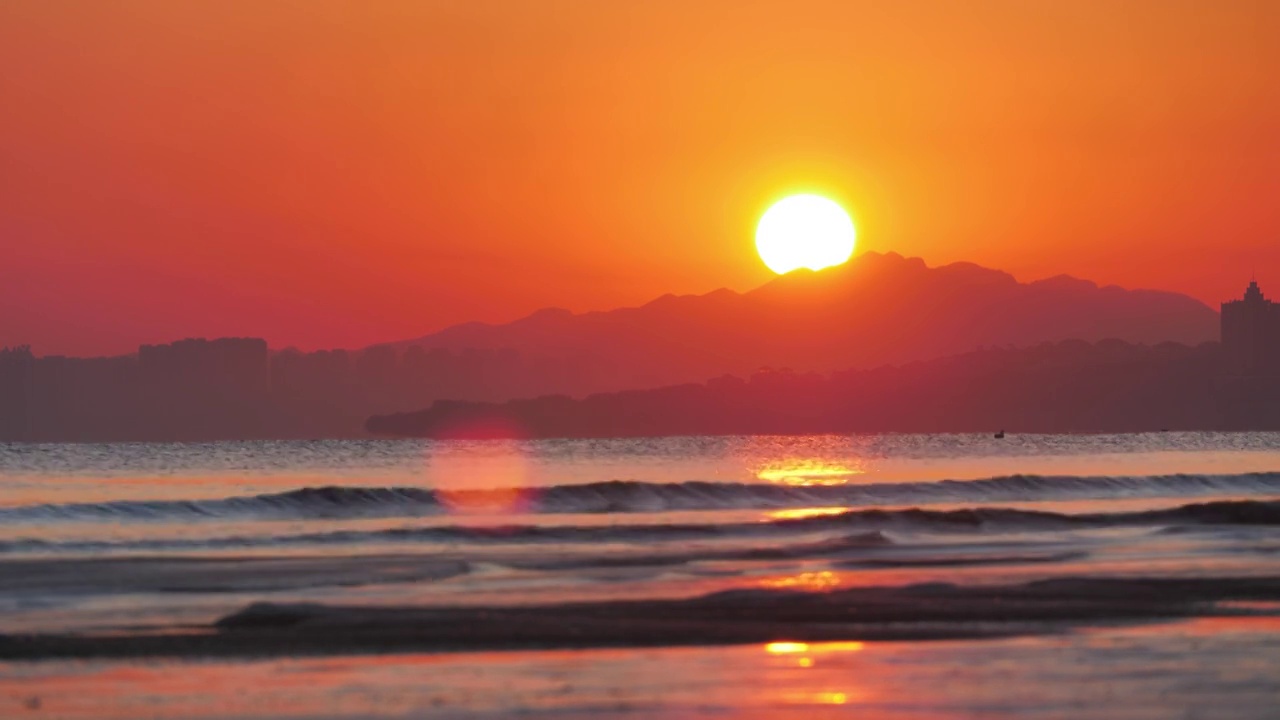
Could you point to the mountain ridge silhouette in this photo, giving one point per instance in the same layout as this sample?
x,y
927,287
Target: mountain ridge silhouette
x,y
879,308
1064,387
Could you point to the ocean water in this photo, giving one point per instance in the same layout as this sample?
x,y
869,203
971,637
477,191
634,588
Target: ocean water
x,y
103,540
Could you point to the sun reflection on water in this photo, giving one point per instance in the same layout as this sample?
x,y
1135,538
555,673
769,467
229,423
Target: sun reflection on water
x,y
847,646
785,648
808,473
805,657
814,581
804,513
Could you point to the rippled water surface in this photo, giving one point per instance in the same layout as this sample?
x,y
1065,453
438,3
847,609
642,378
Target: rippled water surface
x,y
160,538
81,472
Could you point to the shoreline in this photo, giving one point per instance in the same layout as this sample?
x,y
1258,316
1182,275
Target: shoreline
x,y
931,611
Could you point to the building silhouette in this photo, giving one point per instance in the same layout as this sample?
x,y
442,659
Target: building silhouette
x,y
233,364
237,388
1251,334
16,368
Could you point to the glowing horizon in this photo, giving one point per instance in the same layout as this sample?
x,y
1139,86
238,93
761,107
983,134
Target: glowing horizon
x,y
353,177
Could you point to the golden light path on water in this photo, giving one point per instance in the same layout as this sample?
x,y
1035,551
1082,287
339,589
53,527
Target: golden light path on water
x,y
808,473
804,513
499,480
810,581
807,655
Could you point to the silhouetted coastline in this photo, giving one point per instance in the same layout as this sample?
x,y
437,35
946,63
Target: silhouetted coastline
x,y
882,345
1061,387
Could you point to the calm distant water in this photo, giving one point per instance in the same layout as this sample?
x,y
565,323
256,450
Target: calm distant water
x,y
78,473
100,538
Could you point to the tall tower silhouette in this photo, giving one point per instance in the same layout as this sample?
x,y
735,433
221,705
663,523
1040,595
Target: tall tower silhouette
x,y
1251,334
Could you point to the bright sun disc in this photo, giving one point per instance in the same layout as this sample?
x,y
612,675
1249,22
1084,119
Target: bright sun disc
x,y
806,231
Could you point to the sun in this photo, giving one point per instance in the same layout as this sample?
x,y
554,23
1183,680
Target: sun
x,y
807,231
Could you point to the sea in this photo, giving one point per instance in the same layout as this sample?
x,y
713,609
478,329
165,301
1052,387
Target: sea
x,y
140,539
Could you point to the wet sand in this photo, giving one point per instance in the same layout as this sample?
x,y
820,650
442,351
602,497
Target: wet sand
x,y
1218,668
933,611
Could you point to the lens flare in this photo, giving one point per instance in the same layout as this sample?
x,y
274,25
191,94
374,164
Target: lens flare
x,y
480,478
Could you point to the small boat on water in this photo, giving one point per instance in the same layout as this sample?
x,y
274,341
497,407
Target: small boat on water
x,y
1000,435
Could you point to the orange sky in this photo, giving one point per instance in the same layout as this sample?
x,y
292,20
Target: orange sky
x,y
334,174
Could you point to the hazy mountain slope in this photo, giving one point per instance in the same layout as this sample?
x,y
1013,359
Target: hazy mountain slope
x,y
876,309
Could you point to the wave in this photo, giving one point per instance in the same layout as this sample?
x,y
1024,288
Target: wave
x,y
344,502
869,523
919,612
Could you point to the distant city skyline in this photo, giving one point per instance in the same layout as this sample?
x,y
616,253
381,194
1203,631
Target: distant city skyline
x,y
1251,333
237,388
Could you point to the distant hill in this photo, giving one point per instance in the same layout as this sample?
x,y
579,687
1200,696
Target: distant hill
x,y
1070,386
877,309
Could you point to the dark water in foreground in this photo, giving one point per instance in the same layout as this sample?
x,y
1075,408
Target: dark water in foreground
x,y
139,539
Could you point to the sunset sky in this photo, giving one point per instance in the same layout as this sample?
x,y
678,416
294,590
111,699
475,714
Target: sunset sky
x,y
330,174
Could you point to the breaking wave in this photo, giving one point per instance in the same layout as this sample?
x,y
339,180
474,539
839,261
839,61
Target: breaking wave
x,y
868,525
343,502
